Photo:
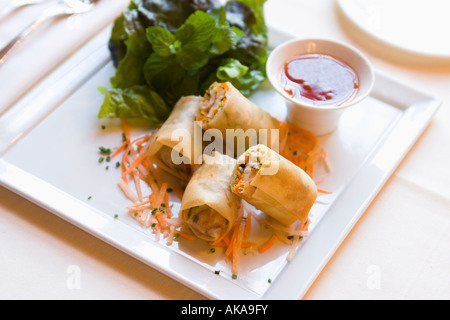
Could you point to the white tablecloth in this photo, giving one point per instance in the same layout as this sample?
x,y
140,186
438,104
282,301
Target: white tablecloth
x,y
399,249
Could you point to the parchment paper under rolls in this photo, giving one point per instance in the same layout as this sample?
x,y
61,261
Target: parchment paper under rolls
x,y
274,185
163,142
208,206
225,107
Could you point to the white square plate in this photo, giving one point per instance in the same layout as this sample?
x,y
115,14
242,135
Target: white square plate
x,y
49,154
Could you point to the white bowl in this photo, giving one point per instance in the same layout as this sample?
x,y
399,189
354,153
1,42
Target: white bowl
x,y
319,120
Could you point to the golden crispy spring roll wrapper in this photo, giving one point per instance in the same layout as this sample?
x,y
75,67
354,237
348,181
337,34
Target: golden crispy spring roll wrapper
x,y
209,188
235,111
182,118
275,185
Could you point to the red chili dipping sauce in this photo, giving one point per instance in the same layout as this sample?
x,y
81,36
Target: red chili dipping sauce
x,y
319,79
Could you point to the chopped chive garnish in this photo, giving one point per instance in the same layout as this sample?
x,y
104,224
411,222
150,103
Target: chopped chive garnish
x,y
104,150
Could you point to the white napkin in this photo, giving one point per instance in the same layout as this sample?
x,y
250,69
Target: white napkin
x,y
48,46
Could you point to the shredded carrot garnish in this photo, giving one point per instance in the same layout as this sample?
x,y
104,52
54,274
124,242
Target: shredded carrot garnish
x,y
301,148
161,219
248,224
156,212
160,196
137,184
246,244
268,244
137,205
223,241
306,225
237,245
127,191
124,163
186,235
136,162
234,235
119,149
126,130
220,240
296,241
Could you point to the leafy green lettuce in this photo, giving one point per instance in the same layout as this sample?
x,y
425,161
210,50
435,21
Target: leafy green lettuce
x,y
163,50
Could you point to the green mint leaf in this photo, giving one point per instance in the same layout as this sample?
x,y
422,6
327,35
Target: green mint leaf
x,y
161,72
185,33
192,58
224,40
162,40
135,102
205,30
232,70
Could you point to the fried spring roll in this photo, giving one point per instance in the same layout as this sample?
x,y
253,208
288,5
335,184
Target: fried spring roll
x,y
225,107
162,145
274,185
208,206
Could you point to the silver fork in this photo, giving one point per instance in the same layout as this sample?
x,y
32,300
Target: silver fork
x,y
62,8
